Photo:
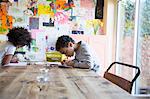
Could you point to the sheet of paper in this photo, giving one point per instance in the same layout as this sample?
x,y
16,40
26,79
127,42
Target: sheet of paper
x,y
17,64
56,63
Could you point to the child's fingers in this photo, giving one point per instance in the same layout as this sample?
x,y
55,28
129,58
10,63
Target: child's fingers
x,y
63,62
69,63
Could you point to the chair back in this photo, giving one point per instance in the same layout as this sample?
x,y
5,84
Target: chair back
x,y
120,81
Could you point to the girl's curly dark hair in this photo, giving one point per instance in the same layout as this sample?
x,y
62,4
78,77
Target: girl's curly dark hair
x,y
63,41
19,36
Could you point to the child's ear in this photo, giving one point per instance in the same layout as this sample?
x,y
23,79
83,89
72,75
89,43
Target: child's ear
x,y
70,44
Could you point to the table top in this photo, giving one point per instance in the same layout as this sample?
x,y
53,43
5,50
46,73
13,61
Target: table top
x,y
63,83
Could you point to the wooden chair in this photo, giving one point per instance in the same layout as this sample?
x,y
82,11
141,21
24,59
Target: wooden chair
x,y
122,82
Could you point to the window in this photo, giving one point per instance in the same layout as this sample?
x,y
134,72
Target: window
x,y
133,41
126,9
143,47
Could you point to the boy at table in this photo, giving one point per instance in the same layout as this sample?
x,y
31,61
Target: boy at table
x,y
17,37
83,58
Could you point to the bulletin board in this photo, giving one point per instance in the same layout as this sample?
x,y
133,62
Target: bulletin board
x,y
48,19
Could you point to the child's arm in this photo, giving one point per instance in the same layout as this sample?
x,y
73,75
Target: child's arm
x,y
68,63
79,64
83,58
82,64
10,50
14,59
6,59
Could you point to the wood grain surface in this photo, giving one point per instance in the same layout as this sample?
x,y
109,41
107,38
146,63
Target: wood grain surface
x,y
63,83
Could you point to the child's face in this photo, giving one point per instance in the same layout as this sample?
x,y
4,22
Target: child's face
x,y
68,51
19,46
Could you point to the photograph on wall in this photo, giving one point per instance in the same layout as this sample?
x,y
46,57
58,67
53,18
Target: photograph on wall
x,y
33,23
77,32
49,24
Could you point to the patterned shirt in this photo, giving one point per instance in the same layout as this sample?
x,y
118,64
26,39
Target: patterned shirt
x,y
85,58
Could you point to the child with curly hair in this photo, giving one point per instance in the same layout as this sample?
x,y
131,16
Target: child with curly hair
x,y
17,37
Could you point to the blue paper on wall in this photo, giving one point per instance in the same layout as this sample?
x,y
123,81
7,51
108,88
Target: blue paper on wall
x,y
33,23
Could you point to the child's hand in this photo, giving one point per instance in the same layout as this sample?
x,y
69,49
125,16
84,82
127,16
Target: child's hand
x,y
63,62
14,59
67,62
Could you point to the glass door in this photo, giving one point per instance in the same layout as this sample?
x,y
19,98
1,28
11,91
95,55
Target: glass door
x,y
125,36
133,42
143,47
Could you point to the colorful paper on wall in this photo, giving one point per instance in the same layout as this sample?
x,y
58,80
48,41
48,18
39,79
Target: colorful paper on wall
x,y
20,21
45,9
3,31
37,52
33,23
96,24
44,18
88,4
61,18
15,11
5,19
41,44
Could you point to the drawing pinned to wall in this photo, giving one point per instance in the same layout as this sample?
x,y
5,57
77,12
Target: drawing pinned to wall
x,y
15,11
66,12
41,44
6,23
5,19
21,4
53,6
37,52
28,12
61,5
96,24
61,18
69,5
34,35
32,6
50,43
45,9
49,24
88,4
20,21
33,23
19,17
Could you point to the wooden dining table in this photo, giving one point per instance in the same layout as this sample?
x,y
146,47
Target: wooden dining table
x,y
63,83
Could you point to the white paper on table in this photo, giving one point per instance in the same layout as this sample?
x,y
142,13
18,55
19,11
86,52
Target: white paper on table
x,y
54,63
17,64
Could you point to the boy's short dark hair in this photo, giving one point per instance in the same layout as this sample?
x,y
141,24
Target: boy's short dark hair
x,y
19,36
63,41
